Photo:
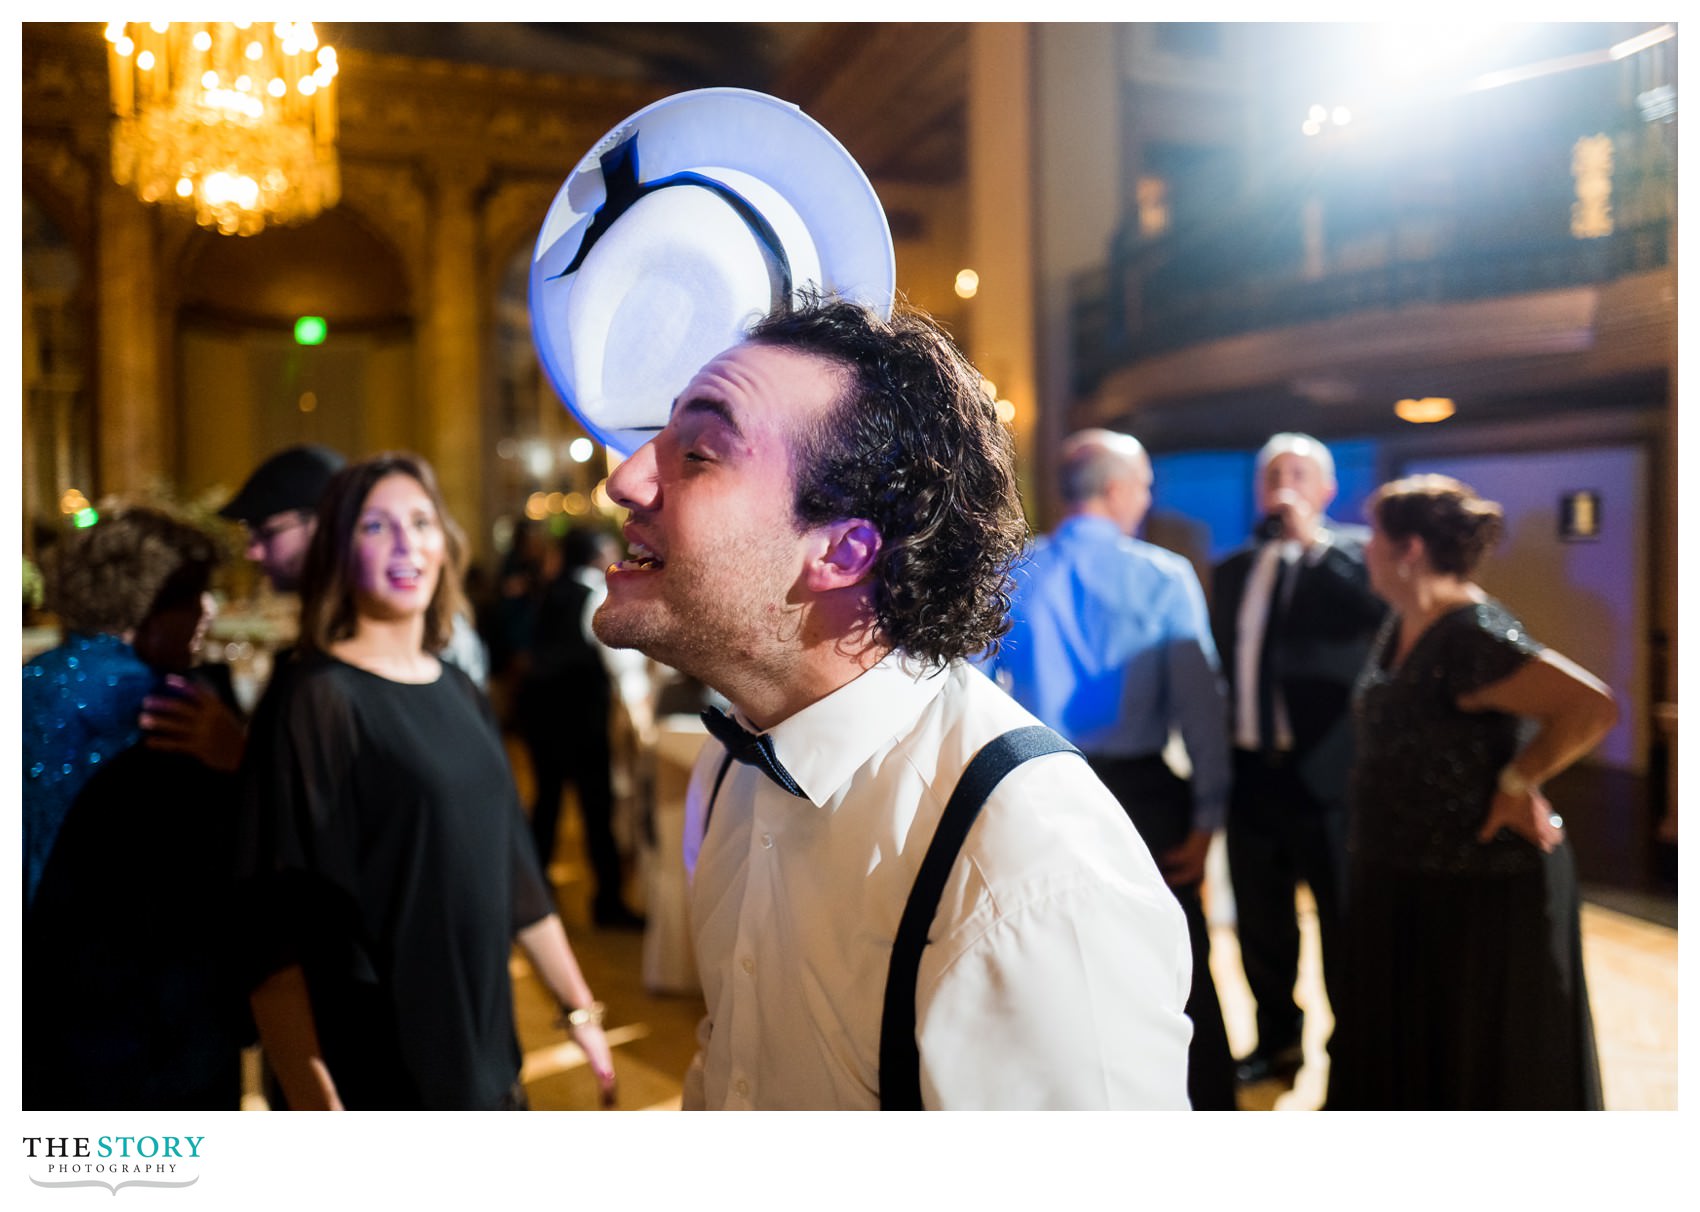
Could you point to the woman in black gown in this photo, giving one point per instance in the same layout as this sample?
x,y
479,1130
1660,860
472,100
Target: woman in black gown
x,y
1463,986
128,999
386,863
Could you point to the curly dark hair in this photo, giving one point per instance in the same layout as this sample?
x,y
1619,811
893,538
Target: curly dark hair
x,y
1457,527
327,593
915,447
135,560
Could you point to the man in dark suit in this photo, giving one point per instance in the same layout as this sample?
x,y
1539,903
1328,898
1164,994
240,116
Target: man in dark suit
x,y
1293,618
563,707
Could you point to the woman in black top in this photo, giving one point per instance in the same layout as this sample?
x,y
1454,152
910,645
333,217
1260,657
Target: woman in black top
x,y
1463,986
386,862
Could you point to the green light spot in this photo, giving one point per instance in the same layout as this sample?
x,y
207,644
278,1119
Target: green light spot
x,y
84,518
310,330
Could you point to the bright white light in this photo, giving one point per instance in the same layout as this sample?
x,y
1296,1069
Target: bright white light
x,y
1642,41
277,87
1311,127
1341,115
145,61
581,450
202,40
1319,113
538,461
967,284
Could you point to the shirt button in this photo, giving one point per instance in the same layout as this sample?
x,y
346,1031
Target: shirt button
x,y
749,965
767,841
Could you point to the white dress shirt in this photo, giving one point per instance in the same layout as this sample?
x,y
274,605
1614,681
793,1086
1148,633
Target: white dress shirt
x,y
1253,624
1059,963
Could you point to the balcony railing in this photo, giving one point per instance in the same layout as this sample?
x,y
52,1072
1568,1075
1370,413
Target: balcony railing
x,y
1250,267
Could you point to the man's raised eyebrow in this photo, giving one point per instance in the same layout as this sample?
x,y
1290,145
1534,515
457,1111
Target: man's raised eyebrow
x,y
708,404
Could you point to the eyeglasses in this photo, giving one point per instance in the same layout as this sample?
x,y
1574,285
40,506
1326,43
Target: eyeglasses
x,y
278,524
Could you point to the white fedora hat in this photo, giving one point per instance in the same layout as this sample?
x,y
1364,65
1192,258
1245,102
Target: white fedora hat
x,y
635,284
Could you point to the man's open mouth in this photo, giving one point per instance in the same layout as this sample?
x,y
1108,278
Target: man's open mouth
x,y
639,559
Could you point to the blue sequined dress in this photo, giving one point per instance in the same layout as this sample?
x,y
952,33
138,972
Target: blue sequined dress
x,y
1463,985
80,704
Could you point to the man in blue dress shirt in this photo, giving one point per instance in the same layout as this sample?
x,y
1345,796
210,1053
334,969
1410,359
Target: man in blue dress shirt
x,y
1110,645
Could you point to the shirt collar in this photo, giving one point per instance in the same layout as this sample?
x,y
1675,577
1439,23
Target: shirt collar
x,y
826,742
1088,526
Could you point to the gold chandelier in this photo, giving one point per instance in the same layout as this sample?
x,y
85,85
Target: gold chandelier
x,y
235,121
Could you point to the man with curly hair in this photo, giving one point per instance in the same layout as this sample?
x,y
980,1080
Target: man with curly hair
x,y
823,532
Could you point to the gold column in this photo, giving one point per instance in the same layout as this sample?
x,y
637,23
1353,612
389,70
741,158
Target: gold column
x,y
133,423
451,345
1077,162
1000,224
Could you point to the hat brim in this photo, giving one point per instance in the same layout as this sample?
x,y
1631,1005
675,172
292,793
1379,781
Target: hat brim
x,y
705,131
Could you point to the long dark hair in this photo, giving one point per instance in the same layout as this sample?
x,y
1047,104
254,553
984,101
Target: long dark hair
x,y
327,590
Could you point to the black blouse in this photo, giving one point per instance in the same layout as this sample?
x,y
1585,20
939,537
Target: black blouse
x,y
383,848
1426,770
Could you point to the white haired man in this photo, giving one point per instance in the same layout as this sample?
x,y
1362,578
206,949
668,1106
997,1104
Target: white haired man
x,y
1294,618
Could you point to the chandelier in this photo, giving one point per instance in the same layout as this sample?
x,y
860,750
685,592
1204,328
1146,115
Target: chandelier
x,y
235,121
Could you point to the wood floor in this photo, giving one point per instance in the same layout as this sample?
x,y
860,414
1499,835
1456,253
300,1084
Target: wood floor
x,y
1631,969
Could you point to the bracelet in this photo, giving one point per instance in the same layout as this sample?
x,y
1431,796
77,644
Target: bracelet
x,y
1513,783
572,1018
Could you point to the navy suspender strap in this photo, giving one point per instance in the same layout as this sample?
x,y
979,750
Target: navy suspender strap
x,y
720,778
900,1058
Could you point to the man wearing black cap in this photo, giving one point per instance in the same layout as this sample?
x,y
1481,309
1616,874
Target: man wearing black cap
x,y
277,506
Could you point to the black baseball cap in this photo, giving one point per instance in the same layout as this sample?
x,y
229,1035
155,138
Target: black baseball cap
x,y
294,478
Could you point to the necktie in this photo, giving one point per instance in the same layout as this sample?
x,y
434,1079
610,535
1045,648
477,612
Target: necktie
x,y
1266,656
751,748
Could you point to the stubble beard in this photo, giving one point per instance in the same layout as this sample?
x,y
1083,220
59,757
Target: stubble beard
x,y
703,626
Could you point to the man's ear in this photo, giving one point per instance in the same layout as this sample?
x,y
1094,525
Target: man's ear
x,y
845,555
1414,551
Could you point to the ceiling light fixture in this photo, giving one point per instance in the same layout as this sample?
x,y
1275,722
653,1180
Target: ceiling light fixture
x,y
233,121
1424,411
